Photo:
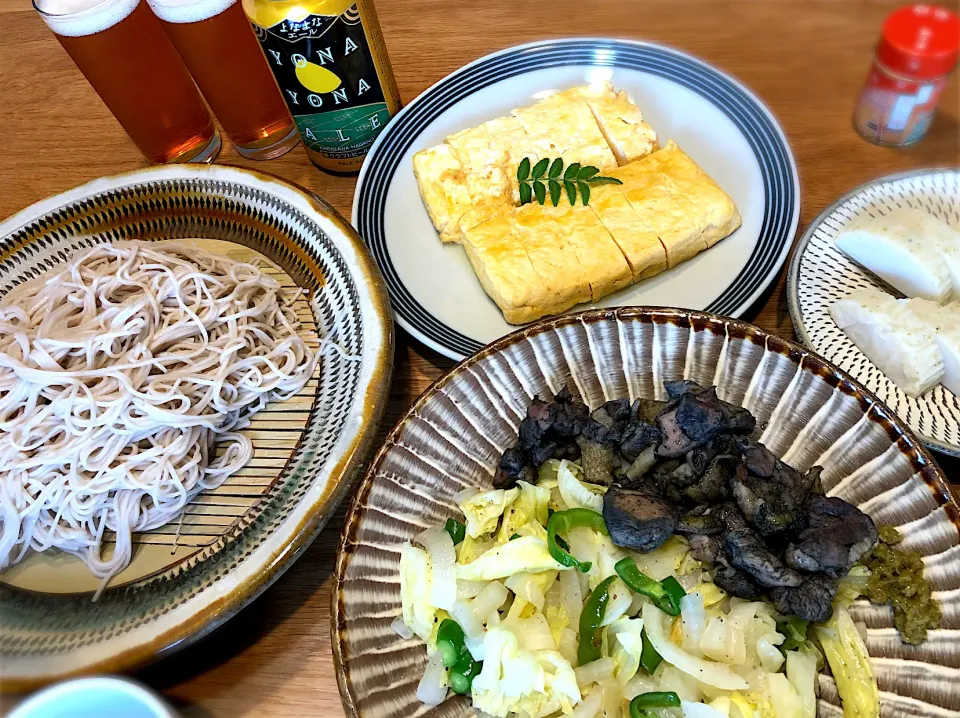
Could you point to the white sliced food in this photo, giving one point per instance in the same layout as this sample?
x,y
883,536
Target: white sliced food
x,y
945,237
944,322
902,347
949,246
895,248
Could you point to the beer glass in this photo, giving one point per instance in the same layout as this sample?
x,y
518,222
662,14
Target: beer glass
x,y
215,40
125,55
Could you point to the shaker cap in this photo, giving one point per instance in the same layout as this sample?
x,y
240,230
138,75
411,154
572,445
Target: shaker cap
x,y
920,41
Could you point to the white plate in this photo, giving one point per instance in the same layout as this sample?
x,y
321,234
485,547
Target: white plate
x,y
820,274
717,121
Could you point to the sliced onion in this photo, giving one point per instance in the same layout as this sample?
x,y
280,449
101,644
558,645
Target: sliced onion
x,y
401,628
433,686
463,614
443,566
621,597
568,645
713,674
469,589
572,597
489,600
475,645
525,586
595,671
693,618
590,706
534,633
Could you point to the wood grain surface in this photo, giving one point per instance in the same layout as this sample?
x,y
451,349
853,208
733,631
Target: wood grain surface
x,y
806,58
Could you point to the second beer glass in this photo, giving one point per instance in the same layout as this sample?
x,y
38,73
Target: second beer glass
x,y
122,50
216,42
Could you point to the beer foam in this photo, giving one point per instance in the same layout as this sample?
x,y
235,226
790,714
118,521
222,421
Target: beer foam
x,y
76,18
183,11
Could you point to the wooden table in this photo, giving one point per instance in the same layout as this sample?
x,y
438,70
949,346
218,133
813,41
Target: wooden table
x,y
805,58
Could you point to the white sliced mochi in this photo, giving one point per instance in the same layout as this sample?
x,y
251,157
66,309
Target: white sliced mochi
x,y
944,322
901,346
897,249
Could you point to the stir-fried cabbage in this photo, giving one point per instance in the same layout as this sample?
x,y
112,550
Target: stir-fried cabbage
x,y
528,508
417,612
575,493
850,664
516,680
526,553
483,510
520,613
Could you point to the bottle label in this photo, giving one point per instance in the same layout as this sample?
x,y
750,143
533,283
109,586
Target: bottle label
x,y
325,70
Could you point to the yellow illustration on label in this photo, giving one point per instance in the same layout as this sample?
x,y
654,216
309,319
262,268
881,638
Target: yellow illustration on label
x,y
273,12
316,78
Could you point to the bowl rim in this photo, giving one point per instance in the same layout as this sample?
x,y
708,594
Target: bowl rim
x,y
793,269
343,469
899,433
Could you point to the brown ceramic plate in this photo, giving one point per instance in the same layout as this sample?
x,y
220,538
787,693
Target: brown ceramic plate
x,y
232,542
811,412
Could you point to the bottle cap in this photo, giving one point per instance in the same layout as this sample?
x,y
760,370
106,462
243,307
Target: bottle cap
x,y
920,41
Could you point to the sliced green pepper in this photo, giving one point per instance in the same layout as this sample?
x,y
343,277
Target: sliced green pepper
x,y
450,642
456,530
462,674
591,617
563,521
640,582
673,588
653,699
650,659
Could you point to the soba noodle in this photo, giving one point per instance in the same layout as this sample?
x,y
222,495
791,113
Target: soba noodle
x,y
118,375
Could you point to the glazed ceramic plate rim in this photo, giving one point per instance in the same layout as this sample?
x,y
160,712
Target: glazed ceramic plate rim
x,y
212,606
695,320
408,312
793,272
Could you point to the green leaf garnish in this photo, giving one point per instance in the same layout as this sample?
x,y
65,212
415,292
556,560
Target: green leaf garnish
x,y
548,177
526,193
585,193
603,180
555,191
541,193
523,171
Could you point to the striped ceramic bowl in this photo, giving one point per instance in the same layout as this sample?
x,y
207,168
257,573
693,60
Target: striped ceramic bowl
x,y
810,411
231,542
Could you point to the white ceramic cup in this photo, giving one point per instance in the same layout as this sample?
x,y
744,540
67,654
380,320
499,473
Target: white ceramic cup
x,y
95,697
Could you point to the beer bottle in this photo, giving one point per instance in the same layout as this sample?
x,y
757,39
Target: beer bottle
x,y
331,64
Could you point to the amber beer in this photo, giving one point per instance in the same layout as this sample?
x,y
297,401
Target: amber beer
x,y
217,43
330,62
124,53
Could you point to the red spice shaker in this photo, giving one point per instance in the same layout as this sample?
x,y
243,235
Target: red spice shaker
x,y
917,51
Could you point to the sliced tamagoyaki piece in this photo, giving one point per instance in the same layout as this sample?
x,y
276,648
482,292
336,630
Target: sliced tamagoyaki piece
x,y
602,262
443,186
552,257
901,346
504,269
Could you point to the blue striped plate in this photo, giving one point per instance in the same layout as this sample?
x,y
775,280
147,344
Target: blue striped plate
x,y
716,120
